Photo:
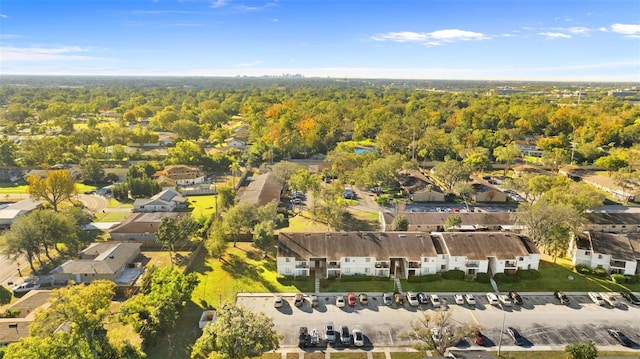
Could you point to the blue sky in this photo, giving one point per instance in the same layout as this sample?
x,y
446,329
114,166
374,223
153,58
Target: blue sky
x,y
572,40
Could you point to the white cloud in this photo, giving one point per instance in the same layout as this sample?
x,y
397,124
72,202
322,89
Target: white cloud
x,y
603,29
44,54
579,30
554,35
218,3
3,16
626,29
248,64
434,38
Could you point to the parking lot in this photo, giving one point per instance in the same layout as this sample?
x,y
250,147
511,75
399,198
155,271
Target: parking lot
x,y
541,319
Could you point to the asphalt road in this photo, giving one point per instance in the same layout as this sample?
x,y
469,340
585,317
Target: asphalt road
x,y
541,320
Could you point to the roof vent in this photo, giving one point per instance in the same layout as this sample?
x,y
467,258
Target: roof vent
x,y
402,235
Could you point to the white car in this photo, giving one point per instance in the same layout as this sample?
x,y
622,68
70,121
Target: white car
x,y
504,299
277,301
596,298
459,299
358,338
413,299
435,301
340,301
25,287
470,299
493,299
610,298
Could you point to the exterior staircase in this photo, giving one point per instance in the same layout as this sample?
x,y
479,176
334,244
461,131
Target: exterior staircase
x,y
398,285
317,287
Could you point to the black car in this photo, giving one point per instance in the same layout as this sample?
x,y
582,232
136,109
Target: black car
x,y
303,337
630,297
515,297
620,337
345,335
561,297
422,298
516,336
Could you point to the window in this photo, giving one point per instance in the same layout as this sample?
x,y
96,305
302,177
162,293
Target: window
x,y
599,256
587,253
287,259
346,259
367,259
443,267
366,270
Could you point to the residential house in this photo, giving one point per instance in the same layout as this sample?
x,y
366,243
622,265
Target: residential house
x,y
613,222
529,147
9,212
181,175
13,329
106,260
434,221
402,254
235,143
166,201
484,193
420,188
612,252
141,227
262,189
10,175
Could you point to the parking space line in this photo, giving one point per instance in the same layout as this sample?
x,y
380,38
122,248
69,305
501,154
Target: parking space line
x,y
474,318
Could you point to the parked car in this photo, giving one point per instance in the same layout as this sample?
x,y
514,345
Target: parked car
x,y
478,337
621,338
459,299
610,298
303,337
561,297
351,299
345,336
470,299
362,298
398,298
277,301
412,298
329,333
387,299
358,338
492,299
340,301
518,339
314,300
504,300
630,297
516,298
435,301
314,337
348,194
298,300
422,298
25,287
596,298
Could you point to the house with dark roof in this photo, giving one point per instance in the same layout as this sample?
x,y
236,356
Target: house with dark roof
x,y
613,222
485,193
180,175
141,227
166,201
402,254
105,260
262,189
614,253
434,221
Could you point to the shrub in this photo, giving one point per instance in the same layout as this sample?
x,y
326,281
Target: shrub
x,y
632,279
528,274
618,278
600,272
357,278
453,274
504,278
5,295
425,278
582,269
10,313
483,277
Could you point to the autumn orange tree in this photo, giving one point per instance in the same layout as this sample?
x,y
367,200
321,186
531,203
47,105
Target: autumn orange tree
x,y
56,188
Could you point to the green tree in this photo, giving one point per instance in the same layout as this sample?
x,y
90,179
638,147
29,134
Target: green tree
x,y
582,350
506,154
478,162
451,172
239,218
226,197
452,223
263,236
611,163
5,295
59,186
216,243
237,333
92,170
400,223
466,191
435,332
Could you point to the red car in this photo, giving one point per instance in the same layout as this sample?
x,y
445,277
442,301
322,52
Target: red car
x,y
351,299
478,337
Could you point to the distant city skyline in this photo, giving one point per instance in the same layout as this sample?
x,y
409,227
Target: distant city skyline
x,y
406,39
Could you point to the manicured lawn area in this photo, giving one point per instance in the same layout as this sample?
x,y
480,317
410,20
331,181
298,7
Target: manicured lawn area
x,y
114,203
378,355
338,285
407,355
11,188
304,223
111,216
203,206
526,354
348,355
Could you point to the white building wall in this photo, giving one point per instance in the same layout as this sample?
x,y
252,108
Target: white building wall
x,y
581,257
357,265
286,265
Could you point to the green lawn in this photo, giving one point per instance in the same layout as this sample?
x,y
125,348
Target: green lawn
x,y
112,216
203,206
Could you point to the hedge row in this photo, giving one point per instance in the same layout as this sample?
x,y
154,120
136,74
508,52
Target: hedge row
x,y
425,278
